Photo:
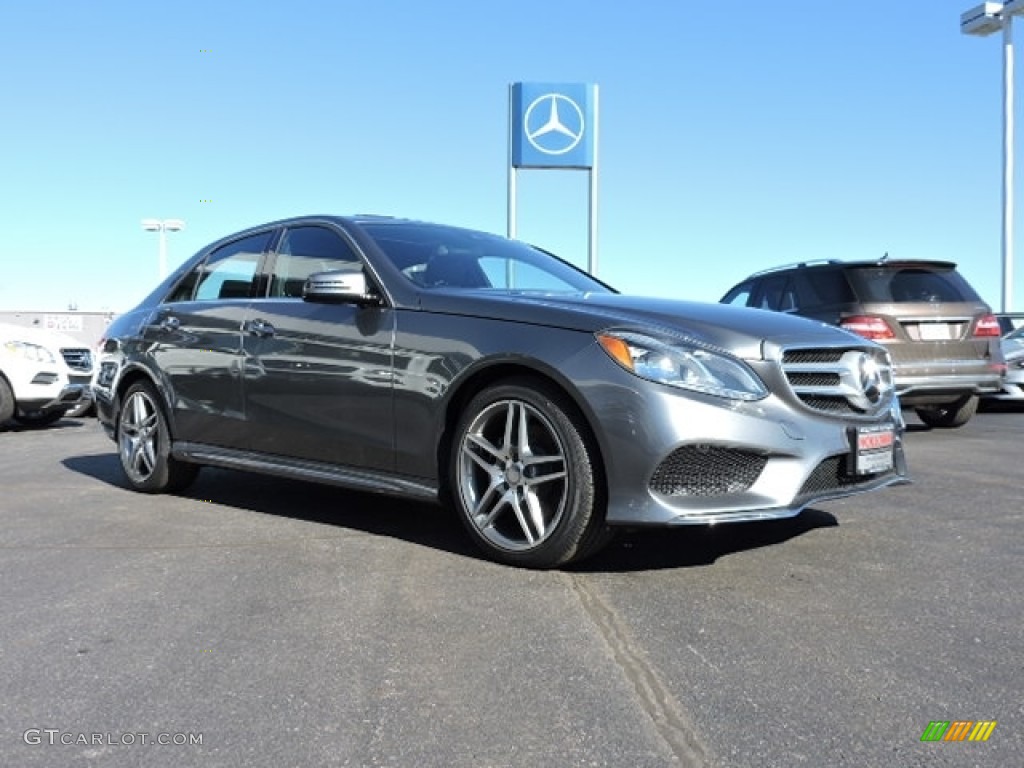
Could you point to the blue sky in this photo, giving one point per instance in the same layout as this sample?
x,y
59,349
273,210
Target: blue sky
x,y
732,138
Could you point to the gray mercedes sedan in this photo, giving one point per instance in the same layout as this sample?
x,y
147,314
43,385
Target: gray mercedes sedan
x,y
441,363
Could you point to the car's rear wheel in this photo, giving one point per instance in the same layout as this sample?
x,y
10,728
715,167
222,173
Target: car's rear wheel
x,y
949,415
144,444
524,479
39,419
6,401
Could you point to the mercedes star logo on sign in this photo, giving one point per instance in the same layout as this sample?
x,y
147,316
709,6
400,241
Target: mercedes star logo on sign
x,y
554,124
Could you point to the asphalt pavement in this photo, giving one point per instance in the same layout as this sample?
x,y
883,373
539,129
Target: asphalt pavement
x,y
263,622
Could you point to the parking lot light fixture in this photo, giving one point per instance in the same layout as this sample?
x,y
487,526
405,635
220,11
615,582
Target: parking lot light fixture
x,y
982,21
163,226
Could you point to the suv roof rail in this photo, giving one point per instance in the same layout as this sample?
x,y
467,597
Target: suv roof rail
x,y
797,265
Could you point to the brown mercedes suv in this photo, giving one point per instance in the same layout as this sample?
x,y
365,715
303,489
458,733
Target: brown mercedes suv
x,y
943,339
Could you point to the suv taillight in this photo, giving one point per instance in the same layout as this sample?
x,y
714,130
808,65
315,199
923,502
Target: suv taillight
x,y
987,326
868,326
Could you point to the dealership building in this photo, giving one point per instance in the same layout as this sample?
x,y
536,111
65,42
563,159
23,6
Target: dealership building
x,y
85,327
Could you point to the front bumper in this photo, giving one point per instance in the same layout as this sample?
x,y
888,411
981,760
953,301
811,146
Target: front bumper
x,y
69,395
1013,387
40,387
799,458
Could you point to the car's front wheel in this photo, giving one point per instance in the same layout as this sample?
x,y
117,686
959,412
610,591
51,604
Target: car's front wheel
x,y
144,444
524,479
7,405
949,415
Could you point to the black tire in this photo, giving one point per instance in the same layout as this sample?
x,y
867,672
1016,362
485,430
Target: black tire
x,y
39,419
144,444
6,401
950,415
523,478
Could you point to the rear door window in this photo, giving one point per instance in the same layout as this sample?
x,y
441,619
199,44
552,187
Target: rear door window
x,y
227,273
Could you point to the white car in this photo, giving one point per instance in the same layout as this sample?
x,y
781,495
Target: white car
x,y
43,376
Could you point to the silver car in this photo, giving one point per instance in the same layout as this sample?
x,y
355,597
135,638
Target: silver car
x,y
943,339
1013,385
442,363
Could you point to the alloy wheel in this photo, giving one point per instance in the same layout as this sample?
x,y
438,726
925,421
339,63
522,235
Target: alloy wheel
x,y
513,476
138,433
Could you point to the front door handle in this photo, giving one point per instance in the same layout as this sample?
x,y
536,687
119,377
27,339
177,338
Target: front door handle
x,y
260,328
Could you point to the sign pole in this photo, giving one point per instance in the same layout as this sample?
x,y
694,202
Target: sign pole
x,y
510,226
592,198
553,126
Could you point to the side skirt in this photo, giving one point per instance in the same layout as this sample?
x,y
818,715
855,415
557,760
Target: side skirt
x,y
300,469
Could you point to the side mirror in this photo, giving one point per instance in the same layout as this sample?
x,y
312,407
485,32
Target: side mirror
x,y
341,286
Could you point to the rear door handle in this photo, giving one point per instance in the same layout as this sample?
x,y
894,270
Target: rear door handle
x,y
259,328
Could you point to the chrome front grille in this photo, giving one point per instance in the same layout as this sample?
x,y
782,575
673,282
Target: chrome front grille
x,y
825,379
78,359
838,381
810,356
707,470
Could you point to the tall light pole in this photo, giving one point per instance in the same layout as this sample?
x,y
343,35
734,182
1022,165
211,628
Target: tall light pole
x,y
984,20
163,226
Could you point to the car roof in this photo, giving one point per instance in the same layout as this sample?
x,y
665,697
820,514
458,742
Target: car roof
x,y
839,264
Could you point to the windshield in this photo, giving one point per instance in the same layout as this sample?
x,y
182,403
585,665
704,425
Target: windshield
x,y
435,256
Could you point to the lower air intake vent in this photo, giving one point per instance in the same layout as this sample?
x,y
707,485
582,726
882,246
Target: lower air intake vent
x,y
707,470
831,476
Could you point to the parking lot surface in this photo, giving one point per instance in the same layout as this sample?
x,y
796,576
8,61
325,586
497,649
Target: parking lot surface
x,y
264,622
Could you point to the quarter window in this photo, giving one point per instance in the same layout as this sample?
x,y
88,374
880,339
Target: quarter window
x,y
821,288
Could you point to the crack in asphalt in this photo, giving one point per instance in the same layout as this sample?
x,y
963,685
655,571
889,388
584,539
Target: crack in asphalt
x,y
655,699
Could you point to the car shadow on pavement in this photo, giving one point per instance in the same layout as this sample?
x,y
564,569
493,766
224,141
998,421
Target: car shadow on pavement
x,y
65,423
430,525
1001,406
416,522
919,428
687,546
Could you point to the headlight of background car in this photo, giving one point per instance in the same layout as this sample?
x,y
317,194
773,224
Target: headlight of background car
x,y
682,365
28,351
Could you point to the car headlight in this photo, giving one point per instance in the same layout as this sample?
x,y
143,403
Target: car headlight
x,y
683,365
32,352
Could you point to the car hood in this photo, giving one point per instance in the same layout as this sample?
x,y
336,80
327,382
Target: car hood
x,y
1013,348
52,340
740,330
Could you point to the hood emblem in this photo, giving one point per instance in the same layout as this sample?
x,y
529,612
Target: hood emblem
x,y
864,380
